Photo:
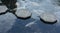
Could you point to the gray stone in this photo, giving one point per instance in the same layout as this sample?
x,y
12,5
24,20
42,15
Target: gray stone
x,y
3,9
23,13
48,17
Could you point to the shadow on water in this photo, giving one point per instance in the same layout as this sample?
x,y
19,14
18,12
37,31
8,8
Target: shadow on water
x,y
3,12
48,22
9,3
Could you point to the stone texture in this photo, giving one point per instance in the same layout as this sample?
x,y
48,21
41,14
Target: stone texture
x,y
3,9
23,13
48,18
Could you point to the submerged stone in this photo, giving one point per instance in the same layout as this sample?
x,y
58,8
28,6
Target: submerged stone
x,y
23,13
48,18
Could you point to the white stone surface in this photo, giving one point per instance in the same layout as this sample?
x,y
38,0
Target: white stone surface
x,y
48,17
6,22
23,13
3,9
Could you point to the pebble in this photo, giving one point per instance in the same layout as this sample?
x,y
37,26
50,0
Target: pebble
x,y
48,18
3,9
23,13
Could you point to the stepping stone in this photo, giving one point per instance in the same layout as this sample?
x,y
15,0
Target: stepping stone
x,y
23,13
48,18
3,9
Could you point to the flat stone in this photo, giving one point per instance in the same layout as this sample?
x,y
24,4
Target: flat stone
x,y
23,13
3,9
48,18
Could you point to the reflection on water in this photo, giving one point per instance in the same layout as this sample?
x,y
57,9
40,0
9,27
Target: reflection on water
x,y
32,25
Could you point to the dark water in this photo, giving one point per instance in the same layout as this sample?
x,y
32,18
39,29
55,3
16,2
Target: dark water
x,y
9,23
39,27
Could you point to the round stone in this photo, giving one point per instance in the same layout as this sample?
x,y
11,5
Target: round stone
x,y
23,13
3,9
48,18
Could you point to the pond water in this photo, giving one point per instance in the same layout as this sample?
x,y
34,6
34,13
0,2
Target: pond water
x,y
9,23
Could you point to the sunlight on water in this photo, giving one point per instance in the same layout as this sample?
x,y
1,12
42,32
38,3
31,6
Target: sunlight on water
x,y
37,7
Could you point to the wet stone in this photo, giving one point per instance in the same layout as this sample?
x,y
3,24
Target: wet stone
x,y
48,18
23,13
3,9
